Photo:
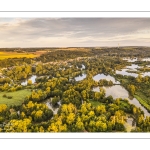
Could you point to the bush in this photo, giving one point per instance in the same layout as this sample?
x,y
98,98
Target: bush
x,y
4,95
9,97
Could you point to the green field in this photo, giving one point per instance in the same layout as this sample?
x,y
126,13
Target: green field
x,y
142,99
17,97
95,103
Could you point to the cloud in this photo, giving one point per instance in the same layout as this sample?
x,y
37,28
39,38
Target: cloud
x,y
27,32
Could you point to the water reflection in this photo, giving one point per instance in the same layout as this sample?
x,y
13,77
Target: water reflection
x,y
130,121
107,77
32,78
54,109
146,74
130,59
133,67
146,59
136,59
148,66
83,67
117,91
80,77
124,72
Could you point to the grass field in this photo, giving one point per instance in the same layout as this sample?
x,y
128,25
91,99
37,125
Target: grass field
x,y
17,97
95,103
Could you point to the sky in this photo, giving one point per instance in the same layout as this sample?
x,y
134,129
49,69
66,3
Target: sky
x,y
74,32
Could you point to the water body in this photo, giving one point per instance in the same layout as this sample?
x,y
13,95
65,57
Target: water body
x,y
80,77
54,109
124,72
136,59
107,77
130,121
145,74
83,67
146,59
33,77
130,59
133,67
117,91
148,66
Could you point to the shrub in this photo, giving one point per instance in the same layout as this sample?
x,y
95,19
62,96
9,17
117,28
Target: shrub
x,y
4,95
9,97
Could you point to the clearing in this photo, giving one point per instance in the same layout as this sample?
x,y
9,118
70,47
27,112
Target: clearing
x,y
17,97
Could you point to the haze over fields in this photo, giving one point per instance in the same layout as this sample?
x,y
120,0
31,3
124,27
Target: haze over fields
x,y
77,32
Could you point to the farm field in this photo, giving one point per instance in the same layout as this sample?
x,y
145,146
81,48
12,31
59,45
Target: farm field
x,y
6,55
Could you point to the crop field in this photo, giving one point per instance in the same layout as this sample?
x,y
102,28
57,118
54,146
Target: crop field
x,y
5,55
17,97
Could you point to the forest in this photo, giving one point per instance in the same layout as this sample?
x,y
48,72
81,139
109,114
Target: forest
x,y
75,89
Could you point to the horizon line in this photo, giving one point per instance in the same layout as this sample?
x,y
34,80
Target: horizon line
x,y
75,47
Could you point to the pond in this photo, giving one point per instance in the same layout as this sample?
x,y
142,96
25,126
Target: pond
x,y
145,74
80,77
117,91
130,59
133,67
136,59
32,78
130,121
83,67
107,77
146,59
54,109
148,66
124,72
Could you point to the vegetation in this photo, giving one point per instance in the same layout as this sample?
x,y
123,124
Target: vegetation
x,y
73,106
14,98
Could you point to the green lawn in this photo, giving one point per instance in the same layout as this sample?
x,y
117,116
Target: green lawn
x,y
17,97
95,103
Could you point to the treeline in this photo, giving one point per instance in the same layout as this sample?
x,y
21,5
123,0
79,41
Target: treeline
x,y
62,55
5,63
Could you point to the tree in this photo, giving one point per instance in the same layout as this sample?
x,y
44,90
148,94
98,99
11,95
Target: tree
x,y
79,125
100,110
70,118
18,125
29,82
131,89
3,108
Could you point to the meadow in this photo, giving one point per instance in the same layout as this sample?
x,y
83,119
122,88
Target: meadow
x,y
17,97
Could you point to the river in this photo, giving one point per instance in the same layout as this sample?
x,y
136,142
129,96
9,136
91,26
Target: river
x,y
117,91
